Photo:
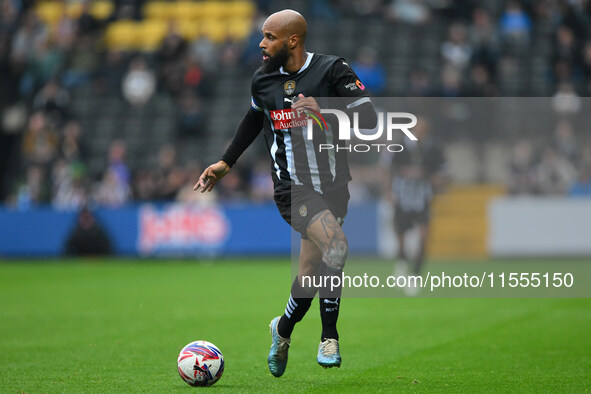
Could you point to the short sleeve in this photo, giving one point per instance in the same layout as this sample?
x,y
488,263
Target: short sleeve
x,y
347,84
345,81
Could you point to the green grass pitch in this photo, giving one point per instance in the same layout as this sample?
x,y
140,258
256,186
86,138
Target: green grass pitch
x,y
117,326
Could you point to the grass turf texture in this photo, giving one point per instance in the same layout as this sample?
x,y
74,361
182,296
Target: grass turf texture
x,y
117,326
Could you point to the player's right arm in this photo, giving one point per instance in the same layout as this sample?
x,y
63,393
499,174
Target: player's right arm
x,y
248,129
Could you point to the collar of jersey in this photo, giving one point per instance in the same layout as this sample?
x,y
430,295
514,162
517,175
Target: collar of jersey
x,y
305,66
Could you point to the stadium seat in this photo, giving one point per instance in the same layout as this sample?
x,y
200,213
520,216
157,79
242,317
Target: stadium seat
x,y
150,34
242,9
73,10
162,10
185,10
49,12
214,30
122,35
239,29
188,29
102,9
213,10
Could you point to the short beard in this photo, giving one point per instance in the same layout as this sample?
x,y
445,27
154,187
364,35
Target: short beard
x,y
276,61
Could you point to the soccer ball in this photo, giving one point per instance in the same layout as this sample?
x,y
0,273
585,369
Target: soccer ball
x,y
201,363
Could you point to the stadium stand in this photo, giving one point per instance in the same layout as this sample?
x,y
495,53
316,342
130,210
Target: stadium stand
x,y
201,55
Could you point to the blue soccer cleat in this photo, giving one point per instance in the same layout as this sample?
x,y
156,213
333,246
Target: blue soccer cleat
x,y
329,354
277,359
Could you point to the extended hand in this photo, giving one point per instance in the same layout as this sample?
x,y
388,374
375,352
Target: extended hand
x,y
211,175
306,102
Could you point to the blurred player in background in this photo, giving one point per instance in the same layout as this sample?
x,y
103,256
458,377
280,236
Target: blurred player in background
x,y
413,175
310,186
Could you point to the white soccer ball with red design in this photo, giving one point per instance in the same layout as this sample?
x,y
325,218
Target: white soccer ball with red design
x,y
201,363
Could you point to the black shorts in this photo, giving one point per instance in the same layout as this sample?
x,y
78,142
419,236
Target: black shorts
x,y
405,220
298,205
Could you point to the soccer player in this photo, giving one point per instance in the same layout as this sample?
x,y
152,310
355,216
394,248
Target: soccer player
x,y
414,174
310,185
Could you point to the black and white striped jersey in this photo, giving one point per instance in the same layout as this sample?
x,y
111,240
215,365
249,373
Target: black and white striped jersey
x,y
296,159
413,169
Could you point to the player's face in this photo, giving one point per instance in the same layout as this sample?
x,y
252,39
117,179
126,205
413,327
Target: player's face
x,y
274,48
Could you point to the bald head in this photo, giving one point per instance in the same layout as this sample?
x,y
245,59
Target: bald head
x,y
288,23
283,43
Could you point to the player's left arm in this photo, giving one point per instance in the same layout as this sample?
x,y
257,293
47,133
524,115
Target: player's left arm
x,y
347,84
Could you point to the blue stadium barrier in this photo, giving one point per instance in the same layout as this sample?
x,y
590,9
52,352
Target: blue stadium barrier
x,y
174,230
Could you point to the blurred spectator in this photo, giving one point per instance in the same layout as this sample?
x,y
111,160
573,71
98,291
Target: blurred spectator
x,y
43,64
566,54
554,173
110,191
370,72
144,186
39,142
409,11
8,16
420,84
574,16
566,101
205,53
484,40
117,164
582,186
69,186
173,46
193,75
565,142
71,146
565,47
28,36
54,100
480,84
139,84
88,238
81,64
230,53
111,72
261,184
232,187
515,25
191,117
522,169
456,50
169,177
33,191
65,32
451,83
87,25
170,60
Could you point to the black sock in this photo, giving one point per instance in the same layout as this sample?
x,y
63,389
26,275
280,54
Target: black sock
x,y
329,302
299,302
